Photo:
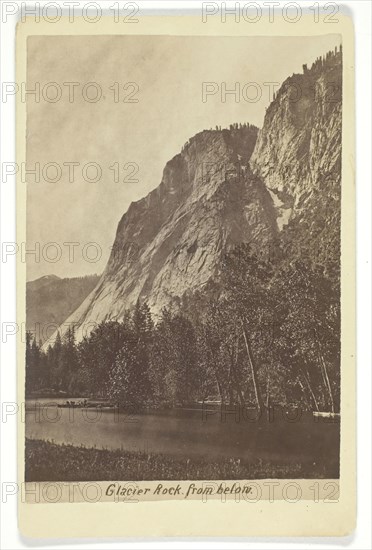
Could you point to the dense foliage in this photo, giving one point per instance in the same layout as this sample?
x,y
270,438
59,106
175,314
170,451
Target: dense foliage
x,y
266,333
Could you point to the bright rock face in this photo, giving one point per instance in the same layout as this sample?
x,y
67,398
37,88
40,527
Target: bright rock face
x,y
224,188
298,150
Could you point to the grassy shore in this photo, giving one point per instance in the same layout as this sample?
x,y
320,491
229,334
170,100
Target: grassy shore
x,y
47,461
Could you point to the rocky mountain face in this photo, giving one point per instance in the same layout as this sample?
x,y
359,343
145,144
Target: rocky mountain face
x,y
226,187
298,150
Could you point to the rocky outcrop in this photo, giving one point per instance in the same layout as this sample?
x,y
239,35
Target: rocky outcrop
x,y
298,149
227,187
173,240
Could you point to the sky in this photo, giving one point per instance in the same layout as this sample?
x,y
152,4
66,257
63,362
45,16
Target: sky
x,y
166,76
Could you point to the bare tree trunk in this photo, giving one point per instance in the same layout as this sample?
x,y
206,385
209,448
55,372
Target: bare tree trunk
x,y
238,389
268,391
304,392
257,392
237,384
323,378
219,388
325,375
310,390
327,383
231,378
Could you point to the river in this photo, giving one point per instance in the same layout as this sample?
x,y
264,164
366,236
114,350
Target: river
x,y
188,432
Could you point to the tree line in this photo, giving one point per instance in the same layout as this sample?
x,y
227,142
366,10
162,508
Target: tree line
x,y
266,332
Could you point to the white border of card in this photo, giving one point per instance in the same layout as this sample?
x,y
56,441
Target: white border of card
x,y
317,511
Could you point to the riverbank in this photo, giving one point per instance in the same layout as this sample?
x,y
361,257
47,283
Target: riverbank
x,y
47,461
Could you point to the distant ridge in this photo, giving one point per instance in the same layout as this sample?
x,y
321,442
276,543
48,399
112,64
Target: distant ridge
x,y
50,300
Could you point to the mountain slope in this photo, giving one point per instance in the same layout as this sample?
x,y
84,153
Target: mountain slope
x,y
298,156
298,150
228,187
50,300
173,240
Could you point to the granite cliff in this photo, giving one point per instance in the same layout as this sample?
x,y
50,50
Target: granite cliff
x,y
226,187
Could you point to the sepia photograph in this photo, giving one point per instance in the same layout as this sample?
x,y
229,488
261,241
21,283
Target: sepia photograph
x,y
183,258
185,223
